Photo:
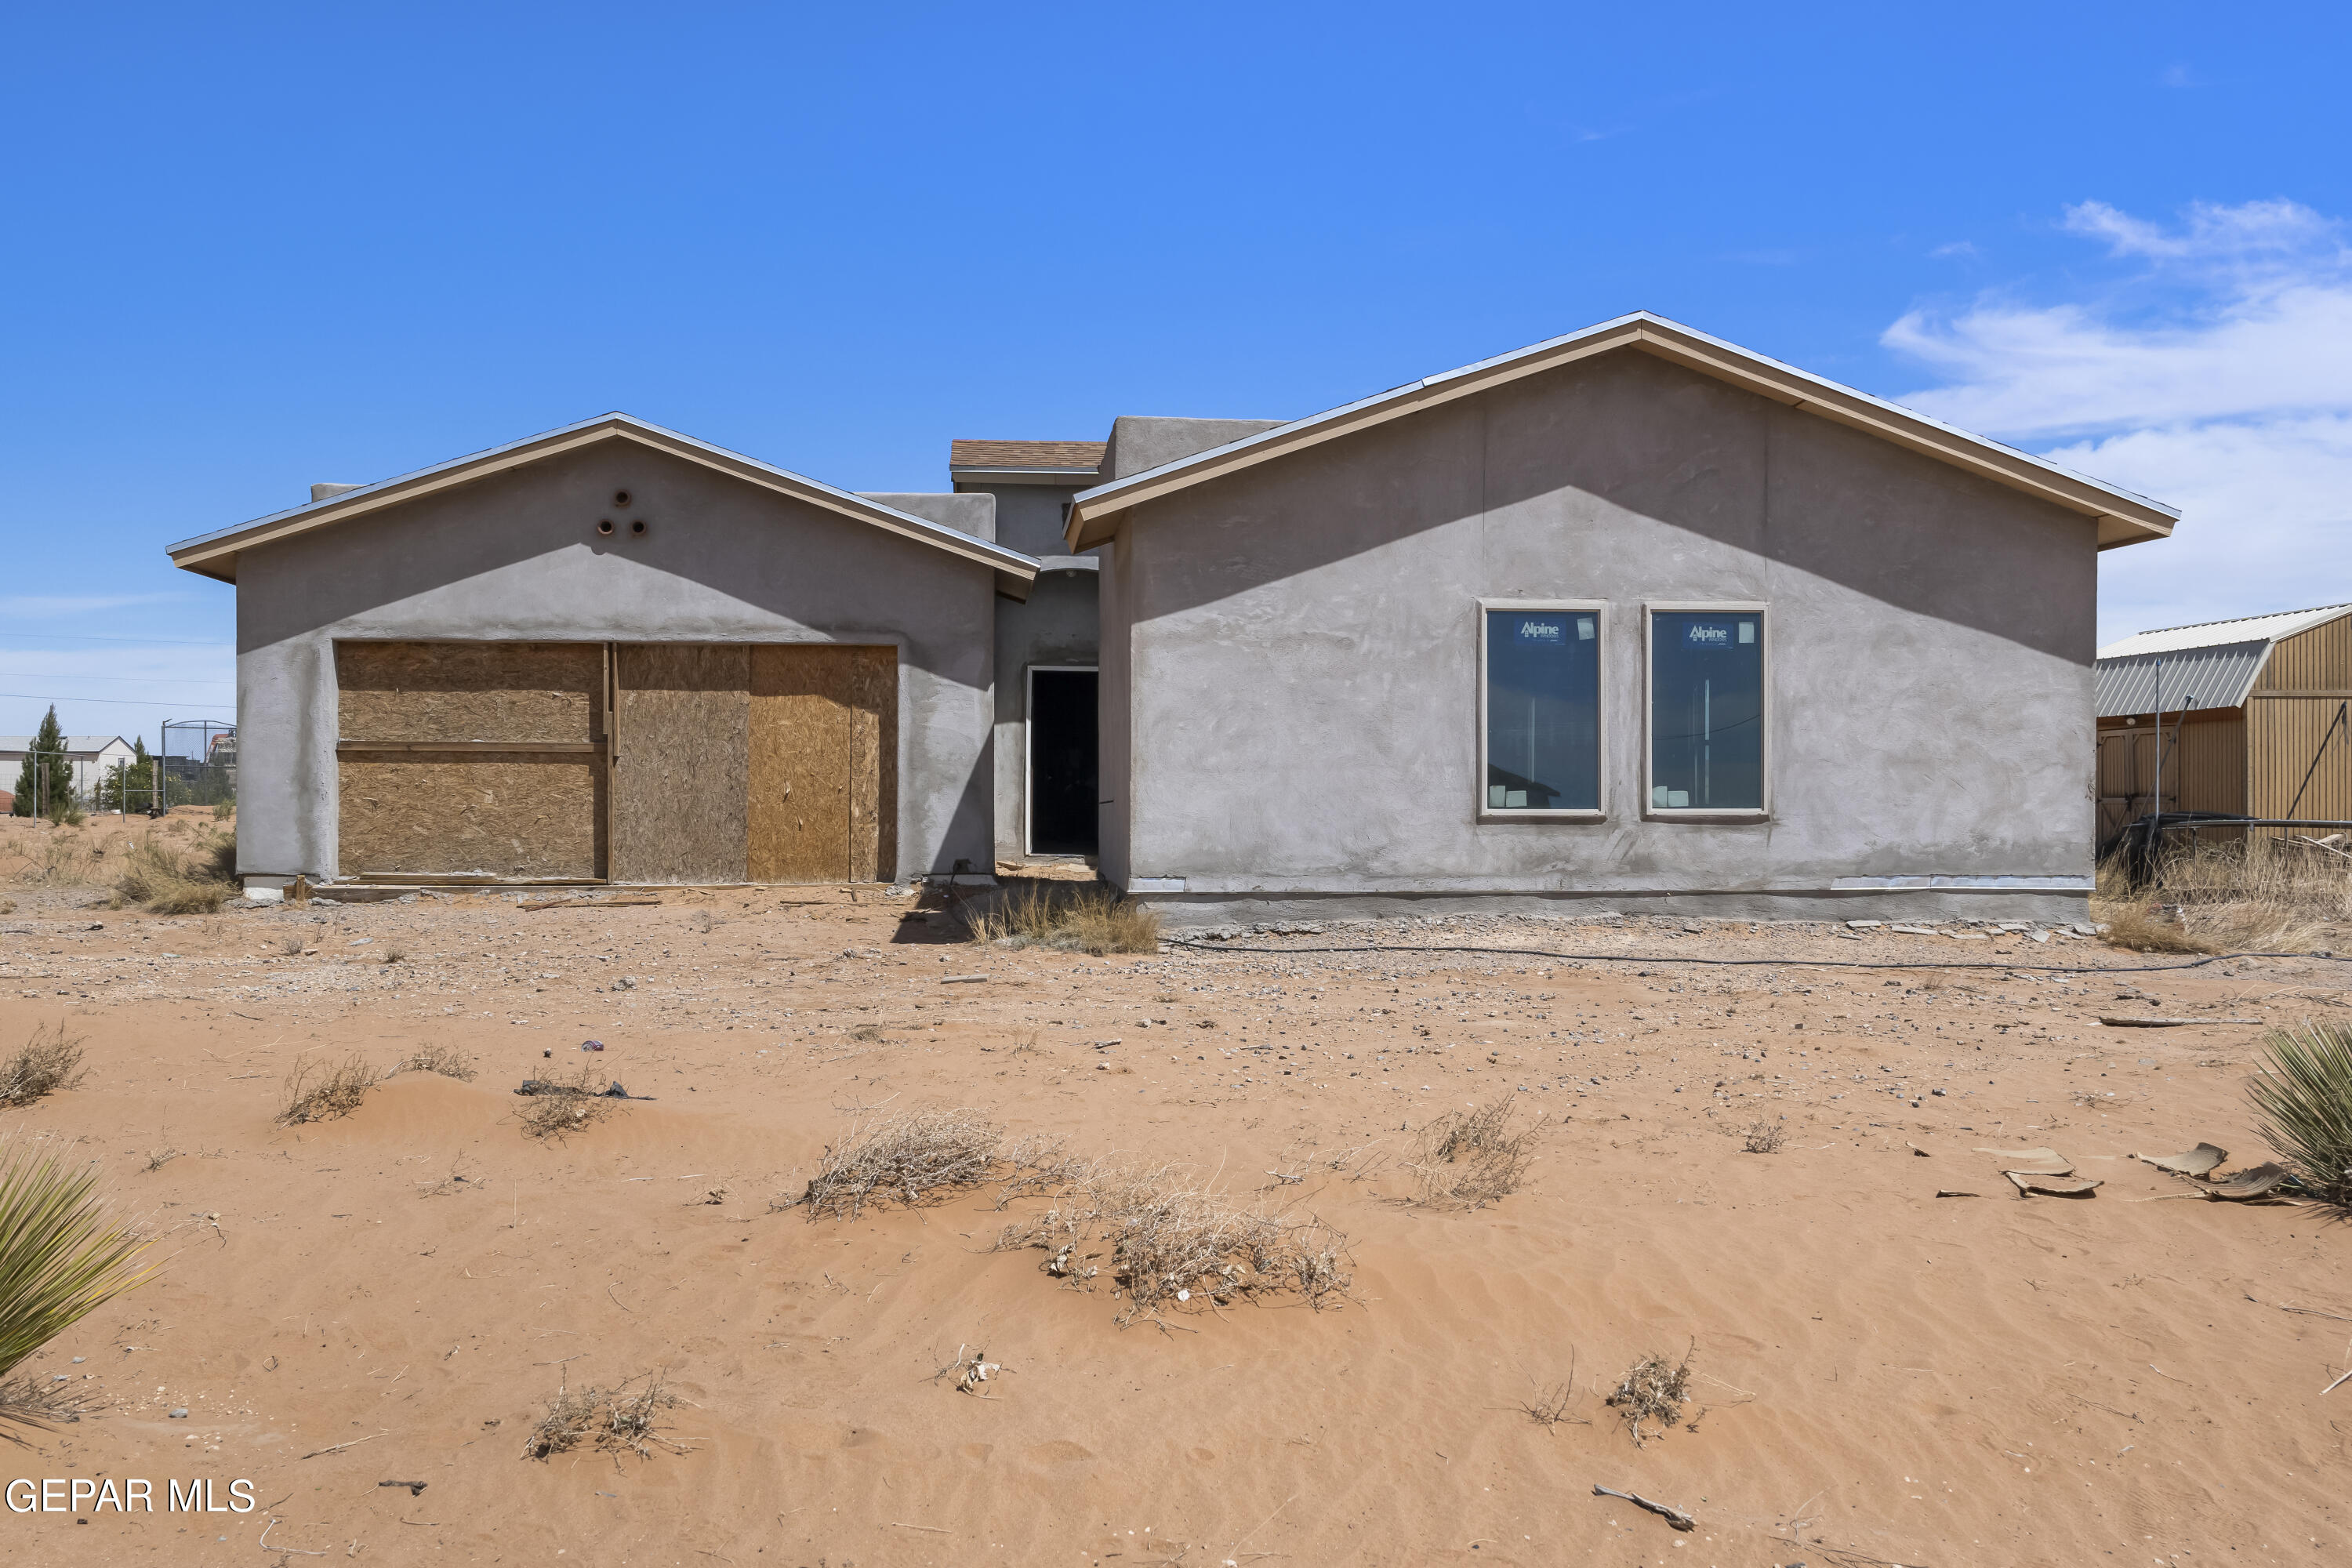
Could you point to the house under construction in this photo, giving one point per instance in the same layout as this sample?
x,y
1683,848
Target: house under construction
x,y
2251,718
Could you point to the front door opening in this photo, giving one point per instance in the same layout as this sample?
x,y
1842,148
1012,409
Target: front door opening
x,y
1062,746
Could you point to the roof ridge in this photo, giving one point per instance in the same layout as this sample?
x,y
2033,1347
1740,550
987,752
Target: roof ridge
x,y
2233,620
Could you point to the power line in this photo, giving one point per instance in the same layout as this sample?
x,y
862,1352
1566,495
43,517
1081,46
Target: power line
x,y
121,701
157,641
133,679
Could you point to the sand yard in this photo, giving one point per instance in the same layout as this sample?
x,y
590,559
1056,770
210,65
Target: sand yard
x,y
1876,1373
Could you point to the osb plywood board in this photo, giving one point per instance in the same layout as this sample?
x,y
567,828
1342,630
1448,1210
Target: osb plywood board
x,y
681,738
874,764
468,690
508,814
801,763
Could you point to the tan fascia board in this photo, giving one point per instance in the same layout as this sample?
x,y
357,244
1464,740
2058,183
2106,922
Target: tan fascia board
x,y
1059,478
214,555
2123,519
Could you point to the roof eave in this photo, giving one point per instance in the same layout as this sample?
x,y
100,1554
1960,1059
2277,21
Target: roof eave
x,y
214,555
1073,479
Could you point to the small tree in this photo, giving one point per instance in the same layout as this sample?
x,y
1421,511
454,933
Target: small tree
x,y
45,771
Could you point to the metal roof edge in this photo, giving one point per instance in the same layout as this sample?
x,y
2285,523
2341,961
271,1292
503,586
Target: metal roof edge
x,y
1631,330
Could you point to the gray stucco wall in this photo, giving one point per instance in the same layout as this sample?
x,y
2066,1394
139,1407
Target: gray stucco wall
x,y
516,555
1029,517
1141,441
1290,661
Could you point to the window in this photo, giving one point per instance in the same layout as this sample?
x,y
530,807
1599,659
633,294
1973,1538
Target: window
x,y
1707,736
1541,711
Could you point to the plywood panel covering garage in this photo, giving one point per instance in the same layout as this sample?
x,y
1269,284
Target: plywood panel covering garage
x,y
470,757
681,761
822,774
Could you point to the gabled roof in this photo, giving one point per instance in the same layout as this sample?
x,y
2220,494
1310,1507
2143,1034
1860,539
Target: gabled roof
x,y
2213,664
214,555
2123,517
75,744
2215,634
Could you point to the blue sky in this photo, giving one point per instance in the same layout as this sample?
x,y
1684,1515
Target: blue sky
x,y
253,246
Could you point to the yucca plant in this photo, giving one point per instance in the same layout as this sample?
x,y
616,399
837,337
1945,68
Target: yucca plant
x,y
2302,1105
62,1257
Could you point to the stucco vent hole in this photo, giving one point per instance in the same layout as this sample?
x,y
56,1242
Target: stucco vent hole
x,y
638,528
620,497
604,526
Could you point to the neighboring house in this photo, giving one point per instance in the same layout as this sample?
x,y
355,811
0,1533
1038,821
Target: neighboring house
x,y
89,757
2250,716
1631,619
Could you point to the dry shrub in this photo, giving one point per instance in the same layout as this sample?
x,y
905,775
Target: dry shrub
x,y
623,1418
34,1399
2303,1103
1470,1158
1547,1407
317,1093
56,860
1764,1138
158,879
2258,894
50,1061
441,1058
1075,916
554,1109
1172,1241
914,1157
1654,1390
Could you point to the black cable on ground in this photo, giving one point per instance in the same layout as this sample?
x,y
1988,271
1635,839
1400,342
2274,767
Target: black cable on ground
x,y
1759,962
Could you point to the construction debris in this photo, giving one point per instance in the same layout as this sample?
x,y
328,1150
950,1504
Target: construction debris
x,y
2201,1161
1666,1512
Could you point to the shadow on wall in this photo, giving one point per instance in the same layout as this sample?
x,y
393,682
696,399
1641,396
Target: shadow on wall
x,y
1629,431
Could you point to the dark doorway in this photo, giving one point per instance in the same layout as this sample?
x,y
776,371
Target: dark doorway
x,y
1062,761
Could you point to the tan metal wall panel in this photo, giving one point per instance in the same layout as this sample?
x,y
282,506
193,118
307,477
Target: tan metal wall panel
x,y
2317,660
2285,736
2204,768
2211,774
681,751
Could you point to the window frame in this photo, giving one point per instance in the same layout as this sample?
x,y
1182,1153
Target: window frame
x,y
1599,610
1651,610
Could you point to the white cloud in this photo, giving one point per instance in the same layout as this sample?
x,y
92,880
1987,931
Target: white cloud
x,y
2216,375
38,606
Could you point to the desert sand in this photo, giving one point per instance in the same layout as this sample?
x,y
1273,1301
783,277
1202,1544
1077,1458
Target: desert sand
x,y
1879,1374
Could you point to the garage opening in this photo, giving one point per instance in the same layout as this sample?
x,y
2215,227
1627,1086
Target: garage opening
x,y
678,762
1063,734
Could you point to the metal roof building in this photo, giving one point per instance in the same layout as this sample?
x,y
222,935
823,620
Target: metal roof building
x,y
2256,718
